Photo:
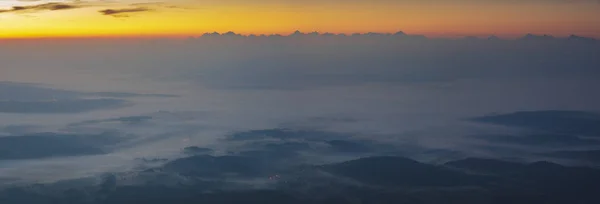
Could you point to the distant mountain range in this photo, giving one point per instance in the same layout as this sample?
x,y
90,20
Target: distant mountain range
x,y
400,34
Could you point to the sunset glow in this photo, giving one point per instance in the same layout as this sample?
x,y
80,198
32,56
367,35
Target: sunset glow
x,y
192,18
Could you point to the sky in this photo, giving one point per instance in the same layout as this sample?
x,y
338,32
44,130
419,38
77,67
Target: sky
x,y
181,18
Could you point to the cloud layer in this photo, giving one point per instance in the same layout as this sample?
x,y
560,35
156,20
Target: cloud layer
x,y
295,115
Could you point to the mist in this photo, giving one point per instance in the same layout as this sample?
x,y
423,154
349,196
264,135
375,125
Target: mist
x,y
76,109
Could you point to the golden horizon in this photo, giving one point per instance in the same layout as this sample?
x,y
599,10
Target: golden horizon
x,y
436,18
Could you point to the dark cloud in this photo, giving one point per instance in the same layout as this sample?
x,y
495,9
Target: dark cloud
x,y
129,95
32,92
553,121
539,140
17,129
60,106
42,7
129,120
46,145
36,92
590,156
139,7
34,98
284,134
123,12
194,150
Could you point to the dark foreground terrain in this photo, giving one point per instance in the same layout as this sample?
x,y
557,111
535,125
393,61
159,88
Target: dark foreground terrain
x,y
384,179
308,166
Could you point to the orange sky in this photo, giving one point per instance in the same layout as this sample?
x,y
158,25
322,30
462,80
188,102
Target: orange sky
x,y
445,18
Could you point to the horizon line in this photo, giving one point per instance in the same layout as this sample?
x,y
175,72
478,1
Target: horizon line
x,y
298,33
